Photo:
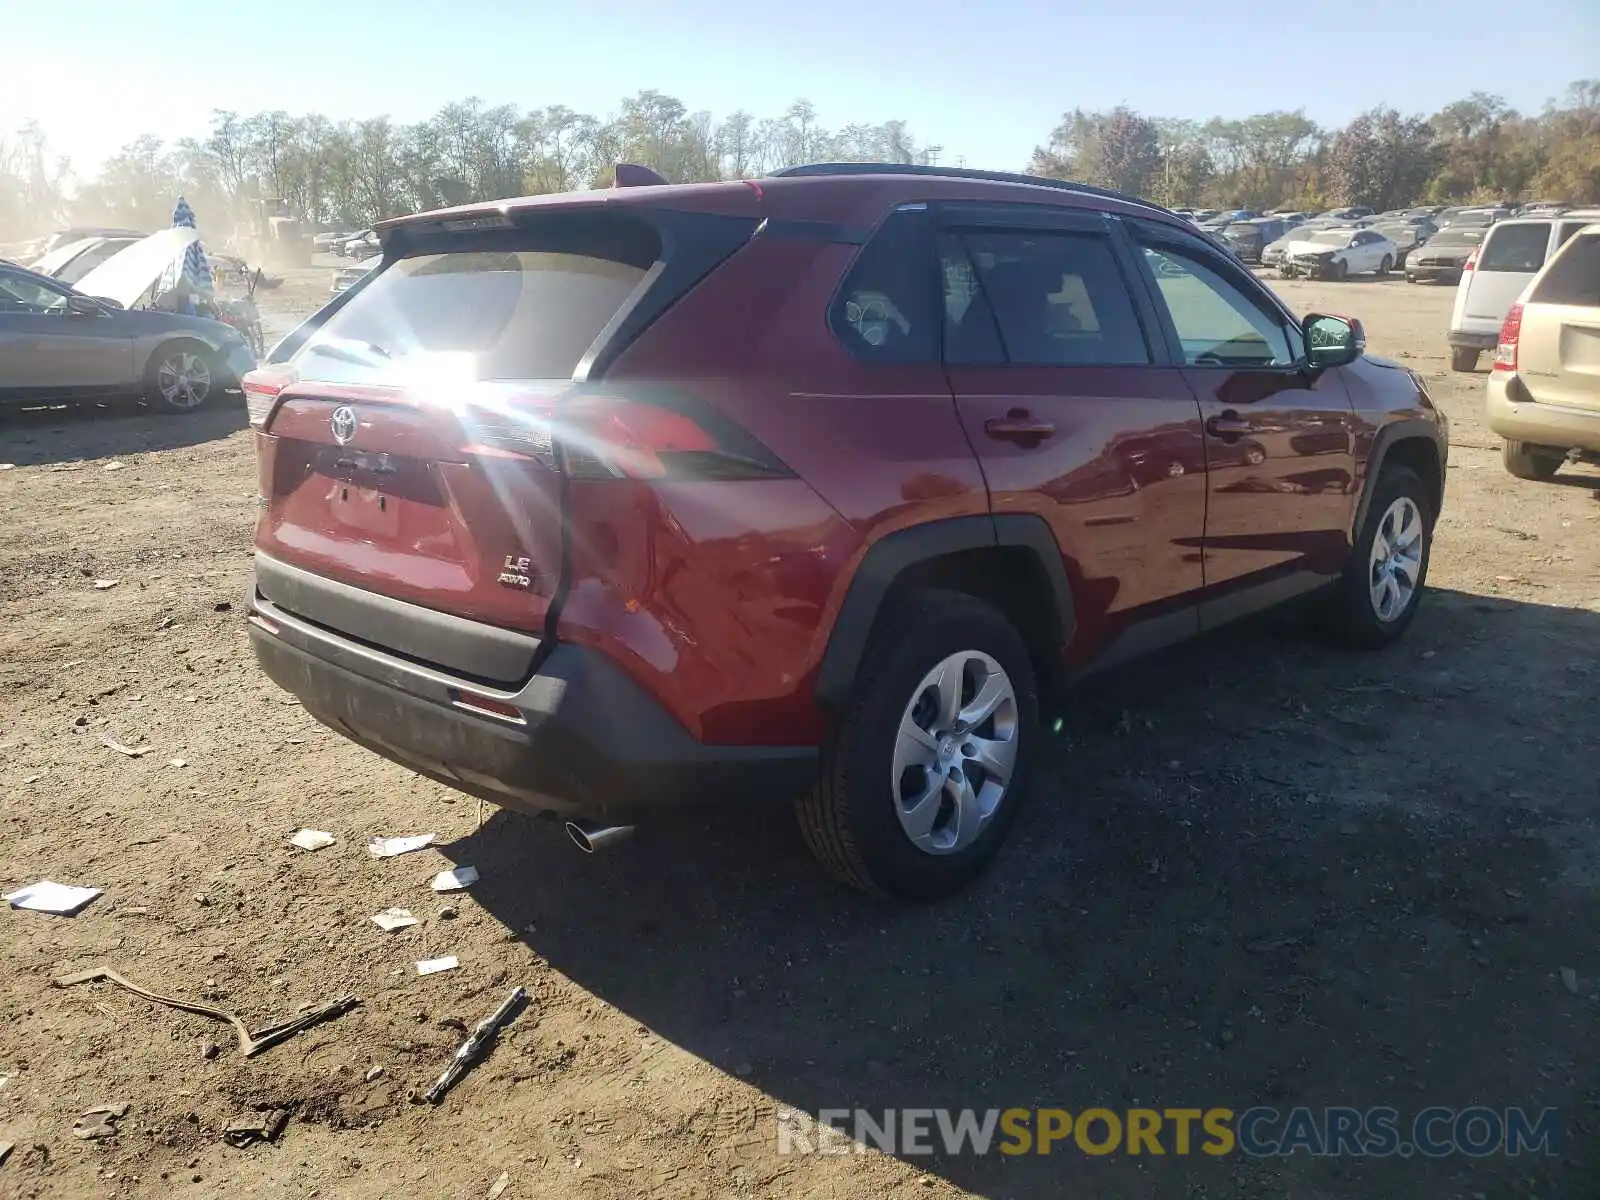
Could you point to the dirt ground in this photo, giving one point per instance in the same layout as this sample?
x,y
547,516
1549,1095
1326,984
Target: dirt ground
x,y
1257,871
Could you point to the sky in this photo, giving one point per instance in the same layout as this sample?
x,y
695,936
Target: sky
x,y
986,81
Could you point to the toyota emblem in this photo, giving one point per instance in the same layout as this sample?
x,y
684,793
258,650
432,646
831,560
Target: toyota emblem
x,y
343,423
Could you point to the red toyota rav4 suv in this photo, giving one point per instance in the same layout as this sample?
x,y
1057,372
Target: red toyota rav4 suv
x,y
804,489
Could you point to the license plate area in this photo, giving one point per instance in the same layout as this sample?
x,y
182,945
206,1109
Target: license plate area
x,y
367,510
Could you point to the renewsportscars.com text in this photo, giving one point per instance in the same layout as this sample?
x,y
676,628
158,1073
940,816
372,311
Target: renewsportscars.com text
x,y
1259,1132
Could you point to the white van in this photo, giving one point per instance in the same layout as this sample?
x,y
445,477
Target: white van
x,y
1511,254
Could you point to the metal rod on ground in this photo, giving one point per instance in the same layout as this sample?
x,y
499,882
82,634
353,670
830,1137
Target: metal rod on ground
x,y
475,1046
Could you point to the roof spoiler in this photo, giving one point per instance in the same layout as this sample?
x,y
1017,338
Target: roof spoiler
x,y
633,175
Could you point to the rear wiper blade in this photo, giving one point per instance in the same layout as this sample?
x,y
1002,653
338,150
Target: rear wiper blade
x,y
350,350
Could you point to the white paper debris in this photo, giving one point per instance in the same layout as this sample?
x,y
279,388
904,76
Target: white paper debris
x,y
391,919
49,897
130,751
432,966
102,584
454,880
312,839
116,466
388,847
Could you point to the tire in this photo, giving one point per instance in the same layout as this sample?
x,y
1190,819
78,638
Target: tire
x,y
1538,463
1385,267
1463,358
1341,271
173,377
1360,618
852,820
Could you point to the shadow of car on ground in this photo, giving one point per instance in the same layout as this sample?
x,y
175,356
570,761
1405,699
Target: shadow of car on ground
x,y
41,436
1256,872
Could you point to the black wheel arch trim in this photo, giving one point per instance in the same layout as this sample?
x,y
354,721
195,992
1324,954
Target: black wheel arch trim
x,y
895,553
1391,435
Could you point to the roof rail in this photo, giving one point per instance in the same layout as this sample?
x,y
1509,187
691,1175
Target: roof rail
x,y
871,168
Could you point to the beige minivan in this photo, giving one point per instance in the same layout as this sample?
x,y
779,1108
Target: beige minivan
x,y
1544,390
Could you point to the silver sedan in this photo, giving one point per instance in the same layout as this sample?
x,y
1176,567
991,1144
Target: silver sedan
x,y
59,344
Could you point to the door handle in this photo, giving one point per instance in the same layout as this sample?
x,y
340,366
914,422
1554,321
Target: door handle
x,y
1228,426
1019,425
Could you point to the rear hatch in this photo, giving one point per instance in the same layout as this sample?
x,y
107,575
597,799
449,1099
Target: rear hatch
x,y
1512,253
1558,355
404,434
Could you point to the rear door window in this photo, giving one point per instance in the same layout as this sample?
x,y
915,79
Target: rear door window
x,y
1053,299
484,314
1574,278
1515,248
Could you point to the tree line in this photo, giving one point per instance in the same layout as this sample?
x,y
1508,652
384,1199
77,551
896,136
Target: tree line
x,y
353,172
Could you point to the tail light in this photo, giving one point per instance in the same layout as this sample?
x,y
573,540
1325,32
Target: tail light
x,y
1472,261
603,437
261,390
1505,354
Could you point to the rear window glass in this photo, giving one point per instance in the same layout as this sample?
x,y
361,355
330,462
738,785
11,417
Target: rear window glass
x,y
1515,248
1455,237
482,314
1573,278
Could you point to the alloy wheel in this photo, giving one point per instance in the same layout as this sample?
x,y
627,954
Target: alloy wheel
x,y
1396,562
183,379
955,752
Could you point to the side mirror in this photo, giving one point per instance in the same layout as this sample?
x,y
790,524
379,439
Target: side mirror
x,y
84,306
1333,341
107,303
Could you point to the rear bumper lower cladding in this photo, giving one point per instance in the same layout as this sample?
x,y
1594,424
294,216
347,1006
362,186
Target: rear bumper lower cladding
x,y
580,738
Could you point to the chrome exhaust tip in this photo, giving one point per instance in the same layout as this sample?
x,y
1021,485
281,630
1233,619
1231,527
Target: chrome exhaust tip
x,y
592,838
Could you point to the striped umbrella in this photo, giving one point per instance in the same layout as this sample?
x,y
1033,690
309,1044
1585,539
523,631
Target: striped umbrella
x,y
196,270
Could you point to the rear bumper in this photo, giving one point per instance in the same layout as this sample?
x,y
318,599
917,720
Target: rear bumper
x,y
1515,416
1467,339
586,742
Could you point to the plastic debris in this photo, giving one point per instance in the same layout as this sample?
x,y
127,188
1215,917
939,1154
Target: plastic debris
x,y
130,751
454,880
177,762
391,919
1569,980
312,839
101,585
432,966
500,1186
374,1073
380,847
116,466
47,896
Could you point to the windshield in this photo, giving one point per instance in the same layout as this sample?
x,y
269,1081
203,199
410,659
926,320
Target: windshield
x,y
1330,237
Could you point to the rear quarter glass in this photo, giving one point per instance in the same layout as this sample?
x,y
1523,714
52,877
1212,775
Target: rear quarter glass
x,y
1574,277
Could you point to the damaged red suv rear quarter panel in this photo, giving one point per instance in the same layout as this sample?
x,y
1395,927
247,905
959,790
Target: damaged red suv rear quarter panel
x,y
723,605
